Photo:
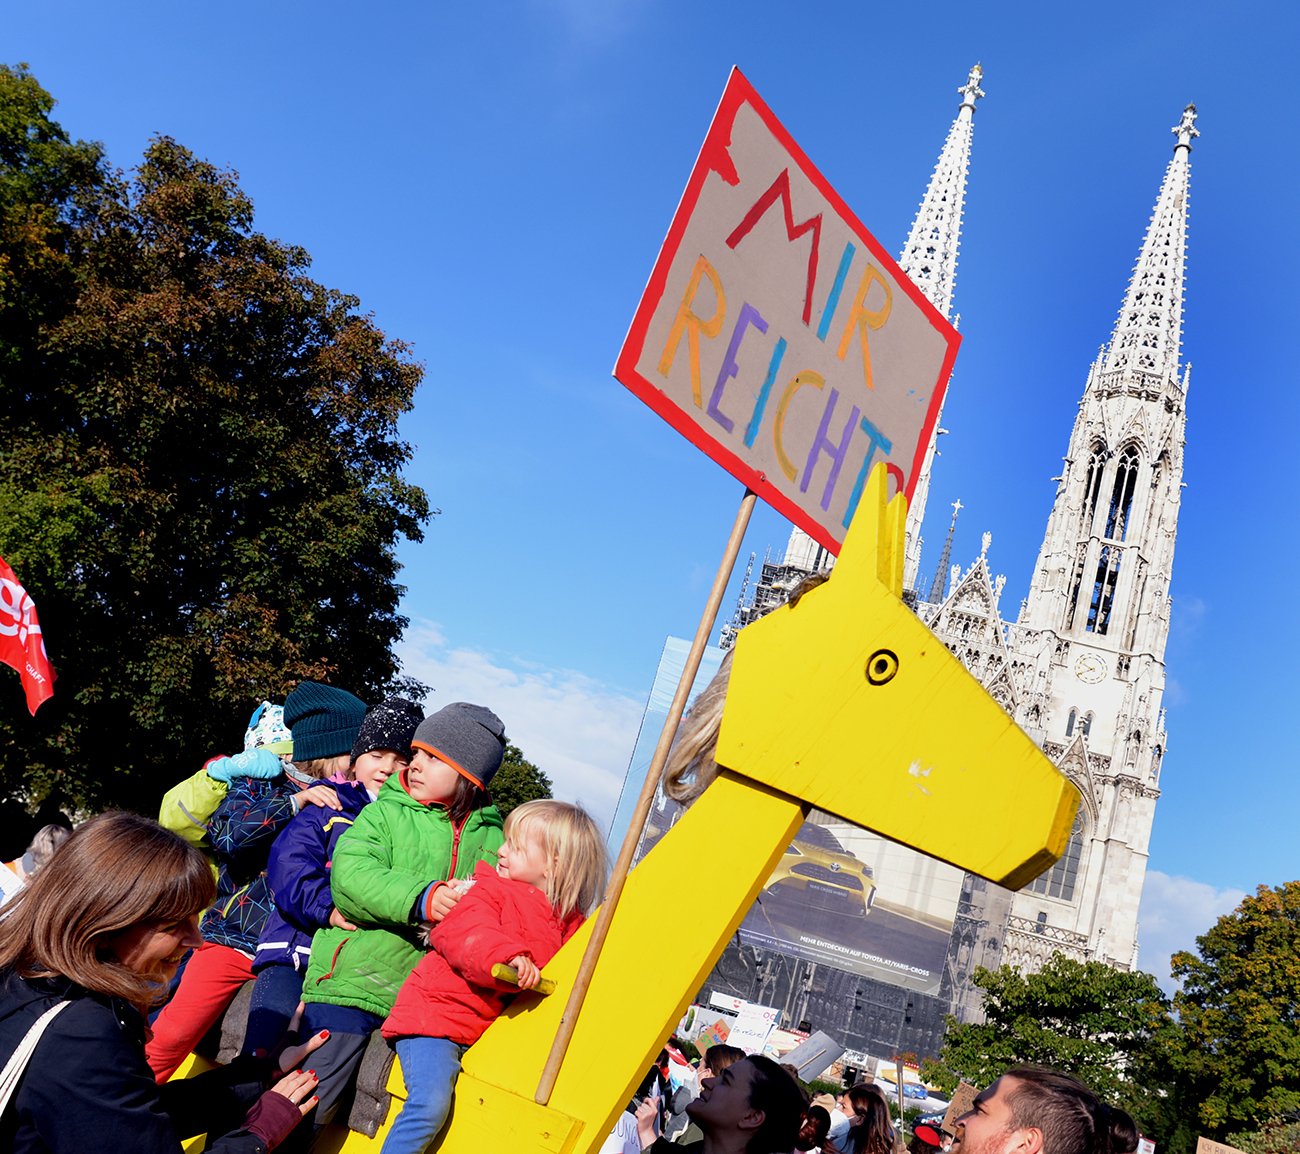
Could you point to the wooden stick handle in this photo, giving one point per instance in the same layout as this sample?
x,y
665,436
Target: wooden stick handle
x,y
613,892
506,973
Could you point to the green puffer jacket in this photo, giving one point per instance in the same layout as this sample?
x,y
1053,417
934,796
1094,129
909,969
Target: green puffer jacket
x,y
381,866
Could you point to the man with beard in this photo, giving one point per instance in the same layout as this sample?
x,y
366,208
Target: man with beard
x,y
1034,1111
752,1107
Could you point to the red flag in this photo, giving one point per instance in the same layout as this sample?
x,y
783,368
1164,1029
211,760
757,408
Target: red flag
x,y
21,645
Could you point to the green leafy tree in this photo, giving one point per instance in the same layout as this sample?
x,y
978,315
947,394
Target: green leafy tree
x,y
1085,1018
201,480
1275,1137
1236,1051
517,781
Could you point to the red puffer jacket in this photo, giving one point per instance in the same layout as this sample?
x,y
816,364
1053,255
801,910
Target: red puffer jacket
x,y
451,993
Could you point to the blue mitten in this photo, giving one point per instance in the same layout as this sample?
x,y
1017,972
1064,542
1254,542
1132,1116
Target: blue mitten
x,y
260,763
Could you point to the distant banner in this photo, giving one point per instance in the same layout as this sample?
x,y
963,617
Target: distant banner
x,y
778,335
21,645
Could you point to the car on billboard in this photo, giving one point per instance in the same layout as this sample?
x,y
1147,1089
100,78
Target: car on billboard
x,y
822,874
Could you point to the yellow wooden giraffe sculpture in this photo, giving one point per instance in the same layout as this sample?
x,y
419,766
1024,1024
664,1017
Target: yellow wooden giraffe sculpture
x,y
844,702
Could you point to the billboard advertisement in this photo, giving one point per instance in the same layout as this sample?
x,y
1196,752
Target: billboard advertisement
x,y
851,899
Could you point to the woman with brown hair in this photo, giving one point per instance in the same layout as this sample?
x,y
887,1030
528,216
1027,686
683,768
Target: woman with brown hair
x,y
85,949
871,1130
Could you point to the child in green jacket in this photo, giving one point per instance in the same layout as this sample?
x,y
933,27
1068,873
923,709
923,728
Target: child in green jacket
x,y
431,824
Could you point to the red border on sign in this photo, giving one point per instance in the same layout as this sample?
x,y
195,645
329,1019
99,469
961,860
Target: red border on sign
x,y
713,154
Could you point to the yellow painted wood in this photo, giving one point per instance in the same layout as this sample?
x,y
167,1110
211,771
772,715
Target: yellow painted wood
x,y
925,757
484,1114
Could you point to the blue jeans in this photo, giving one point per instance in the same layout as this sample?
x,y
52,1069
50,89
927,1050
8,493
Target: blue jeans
x,y
276,991
430,1067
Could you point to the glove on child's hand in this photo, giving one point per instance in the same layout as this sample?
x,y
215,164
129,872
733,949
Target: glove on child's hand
x,y
260,763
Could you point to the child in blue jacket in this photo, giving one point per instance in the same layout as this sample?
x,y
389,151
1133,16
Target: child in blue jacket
x,y
299,871
323,722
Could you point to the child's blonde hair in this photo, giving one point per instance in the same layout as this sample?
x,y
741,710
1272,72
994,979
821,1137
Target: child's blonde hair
x,y
574,847
322,767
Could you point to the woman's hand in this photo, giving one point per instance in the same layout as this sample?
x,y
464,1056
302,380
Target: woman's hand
x,y
294,1056
325,796
299,1087
529,974
276,1114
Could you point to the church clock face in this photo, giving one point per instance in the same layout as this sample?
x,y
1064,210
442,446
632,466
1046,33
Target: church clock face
x,y
1090,669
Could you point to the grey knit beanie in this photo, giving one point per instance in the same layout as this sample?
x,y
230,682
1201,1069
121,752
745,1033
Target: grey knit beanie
x,y
469,738
390,725
323,720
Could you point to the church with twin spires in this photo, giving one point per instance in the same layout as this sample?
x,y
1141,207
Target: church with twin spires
x,y
1081,667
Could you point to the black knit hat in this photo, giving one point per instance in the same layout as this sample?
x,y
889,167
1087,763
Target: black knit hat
x,y
469,738
390,725
323,720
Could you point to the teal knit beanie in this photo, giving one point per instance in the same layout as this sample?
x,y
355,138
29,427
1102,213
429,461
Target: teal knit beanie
x,y
323,720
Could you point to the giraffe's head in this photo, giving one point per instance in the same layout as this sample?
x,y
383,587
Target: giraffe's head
x,y
847,701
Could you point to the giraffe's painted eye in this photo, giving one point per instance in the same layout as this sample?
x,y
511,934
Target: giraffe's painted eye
x,y
882,666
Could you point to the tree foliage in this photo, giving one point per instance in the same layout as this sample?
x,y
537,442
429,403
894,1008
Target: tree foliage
x,y
517,781
1084,1018
201,479
1274,1137
1236,1053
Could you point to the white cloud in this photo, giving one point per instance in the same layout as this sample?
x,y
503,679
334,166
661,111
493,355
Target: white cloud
x,y
577,730
1174,913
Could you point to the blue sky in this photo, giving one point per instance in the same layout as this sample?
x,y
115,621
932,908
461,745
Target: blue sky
x,y
494,181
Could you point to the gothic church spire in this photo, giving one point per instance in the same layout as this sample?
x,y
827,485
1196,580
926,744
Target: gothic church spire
x,y
930,258
1105,529
1092,632
1148,333
930,255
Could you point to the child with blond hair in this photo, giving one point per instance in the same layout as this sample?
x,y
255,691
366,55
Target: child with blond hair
x,y
549,873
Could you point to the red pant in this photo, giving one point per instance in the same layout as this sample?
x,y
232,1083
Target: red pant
x,y
212,978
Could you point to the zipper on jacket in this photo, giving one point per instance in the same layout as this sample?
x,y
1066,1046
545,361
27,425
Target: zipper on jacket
x,y
455,846
333,961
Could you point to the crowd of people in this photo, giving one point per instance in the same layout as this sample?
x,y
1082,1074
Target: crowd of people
x,y
349,868
748,1104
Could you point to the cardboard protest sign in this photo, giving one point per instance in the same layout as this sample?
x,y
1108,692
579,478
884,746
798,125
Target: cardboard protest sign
x,y
713,1035
962,1100
1208,1146
778,336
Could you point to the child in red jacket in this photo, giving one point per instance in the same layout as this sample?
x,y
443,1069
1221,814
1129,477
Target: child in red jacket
x,y
549,873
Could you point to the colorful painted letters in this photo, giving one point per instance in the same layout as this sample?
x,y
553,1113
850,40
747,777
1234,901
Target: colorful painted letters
x,y
808,356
